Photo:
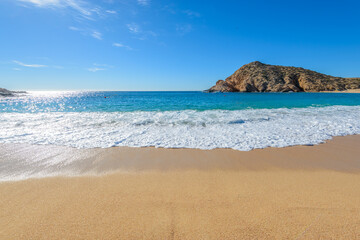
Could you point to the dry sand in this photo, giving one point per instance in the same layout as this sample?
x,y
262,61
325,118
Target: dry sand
x,y
352,91
345,91
303,192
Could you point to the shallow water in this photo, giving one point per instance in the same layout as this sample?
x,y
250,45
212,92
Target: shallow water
x,y
241,121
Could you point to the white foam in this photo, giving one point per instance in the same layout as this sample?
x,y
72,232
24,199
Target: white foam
x,y
241,130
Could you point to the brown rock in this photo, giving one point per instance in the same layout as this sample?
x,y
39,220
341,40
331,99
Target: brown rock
x,y
260,77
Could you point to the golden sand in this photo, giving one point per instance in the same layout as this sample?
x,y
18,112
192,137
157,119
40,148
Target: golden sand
x,y
289,193
353,91
345,91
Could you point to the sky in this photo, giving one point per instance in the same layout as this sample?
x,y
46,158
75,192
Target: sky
x,y
150,45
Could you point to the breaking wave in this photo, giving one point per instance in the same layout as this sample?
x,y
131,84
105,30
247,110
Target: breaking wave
x,y
238,129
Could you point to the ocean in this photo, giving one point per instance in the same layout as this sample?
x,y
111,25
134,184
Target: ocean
x,y
241,121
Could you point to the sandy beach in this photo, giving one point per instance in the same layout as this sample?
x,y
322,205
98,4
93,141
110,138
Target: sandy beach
x,y
301,192
352,91
179,120
345,91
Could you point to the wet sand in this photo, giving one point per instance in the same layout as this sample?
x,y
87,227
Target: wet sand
x,y
302,192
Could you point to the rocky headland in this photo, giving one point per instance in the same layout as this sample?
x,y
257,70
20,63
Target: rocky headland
x,y
7,93
260,77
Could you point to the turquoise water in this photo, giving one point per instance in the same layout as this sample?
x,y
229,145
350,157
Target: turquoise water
x,y
169,101
241,121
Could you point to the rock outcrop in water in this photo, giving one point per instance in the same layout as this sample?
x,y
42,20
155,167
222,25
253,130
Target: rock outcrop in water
x,y
7,93
260,77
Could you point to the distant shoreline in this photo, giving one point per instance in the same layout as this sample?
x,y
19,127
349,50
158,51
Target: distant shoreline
x,y
345,91
7,93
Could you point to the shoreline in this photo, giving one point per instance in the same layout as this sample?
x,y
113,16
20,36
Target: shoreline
x,y
41,161
345,91
300,192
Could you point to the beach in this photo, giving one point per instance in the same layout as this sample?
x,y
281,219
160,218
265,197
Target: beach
x,y
351,91
300,192
345,91
177,120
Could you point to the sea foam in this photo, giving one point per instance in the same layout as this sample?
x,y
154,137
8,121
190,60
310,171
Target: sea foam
x,y
239,129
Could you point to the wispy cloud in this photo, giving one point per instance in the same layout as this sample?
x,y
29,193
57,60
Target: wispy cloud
x,y
87,32
169,9
141,34
143,2
133,28
97,35
99,67
77,5
29,65
120,45
103,65
95,69
111,11
16,69
192,13
183,29
74,28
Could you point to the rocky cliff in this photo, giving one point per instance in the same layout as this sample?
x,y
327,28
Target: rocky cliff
x,y
260,77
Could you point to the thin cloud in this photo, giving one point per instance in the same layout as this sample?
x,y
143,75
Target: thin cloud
x,y
143,2
87,32
103,65
192,13
111,11
95,69
29,65
97,35
151,33
133,28
141,35
184,29
77,5
169,9
120,45
74,28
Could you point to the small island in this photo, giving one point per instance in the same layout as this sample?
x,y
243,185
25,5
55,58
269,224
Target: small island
x,y
260,77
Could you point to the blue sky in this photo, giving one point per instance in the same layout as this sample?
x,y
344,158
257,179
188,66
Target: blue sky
x,y
169,45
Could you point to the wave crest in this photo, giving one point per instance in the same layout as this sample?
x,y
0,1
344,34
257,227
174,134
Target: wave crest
x,y
241,129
